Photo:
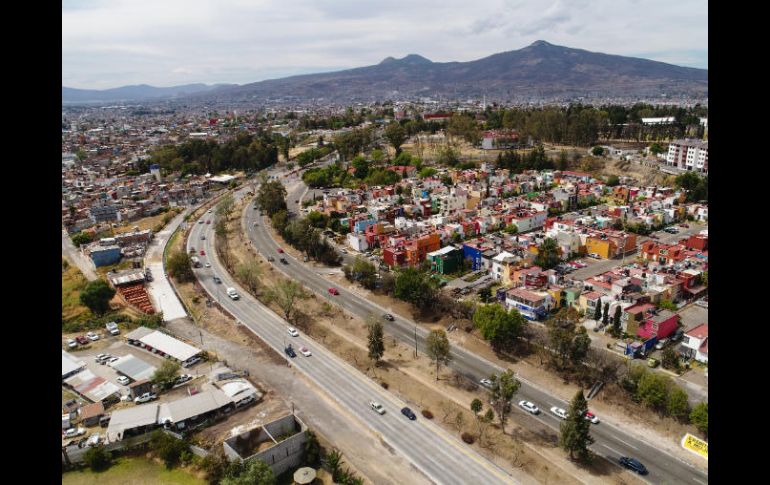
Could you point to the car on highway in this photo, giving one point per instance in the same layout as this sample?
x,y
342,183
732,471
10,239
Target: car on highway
x,y
72,432
388,317
203,238
280,250
334,291
633,464
377,407
592,417
409,413
208,265
256,224
559,412
123,380
209,211
71,343
283,261
485,383
146,397
270,258
293,332
200,221
529,407
202,252
232,294
217,280
290,351
92,336
305,351
208,222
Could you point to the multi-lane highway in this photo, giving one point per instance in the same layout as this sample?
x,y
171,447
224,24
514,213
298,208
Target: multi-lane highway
x,y
611,441
441,457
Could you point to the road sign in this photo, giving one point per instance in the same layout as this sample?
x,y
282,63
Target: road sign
x,y
696,445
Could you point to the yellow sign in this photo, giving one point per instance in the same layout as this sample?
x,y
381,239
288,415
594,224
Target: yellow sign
x,y
696,445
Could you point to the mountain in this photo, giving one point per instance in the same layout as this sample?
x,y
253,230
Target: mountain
x,y
133,93
540,70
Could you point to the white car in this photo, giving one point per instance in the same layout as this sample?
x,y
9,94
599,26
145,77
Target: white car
x,y
208,265
529,407
293,332
592,417
594,255
486,382
377,407
72,432
559,412
71,343
305,351
146,397
123,380
94,440
102,358
111,360
92,336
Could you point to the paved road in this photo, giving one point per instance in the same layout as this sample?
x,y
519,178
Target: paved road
x,y
611,441
72,253
431,450
163,296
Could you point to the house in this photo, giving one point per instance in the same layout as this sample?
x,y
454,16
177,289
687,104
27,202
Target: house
x,y
660,325
502,265
587,302
445,260
633,316
357,241
532,305
91,413
695,343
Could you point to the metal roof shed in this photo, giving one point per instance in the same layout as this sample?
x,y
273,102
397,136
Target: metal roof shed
x,y
169,345
134,367
130,418
190,407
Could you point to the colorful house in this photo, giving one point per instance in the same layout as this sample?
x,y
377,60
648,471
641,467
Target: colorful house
x,y
446,260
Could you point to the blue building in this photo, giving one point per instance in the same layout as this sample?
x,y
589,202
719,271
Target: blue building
x,y
360,226
105,255
474,254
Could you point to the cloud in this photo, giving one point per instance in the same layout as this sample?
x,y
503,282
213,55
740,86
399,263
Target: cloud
x,y
108,43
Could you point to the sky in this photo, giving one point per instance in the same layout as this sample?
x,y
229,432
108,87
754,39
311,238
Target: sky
x,y
112,43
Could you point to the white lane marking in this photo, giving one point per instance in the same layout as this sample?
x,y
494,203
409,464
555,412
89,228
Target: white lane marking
x,y
613,450
627,444
702,483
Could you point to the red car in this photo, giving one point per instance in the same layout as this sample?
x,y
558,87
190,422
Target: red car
x,y
82,340
280,250
684,225
208,222
334,291
202,253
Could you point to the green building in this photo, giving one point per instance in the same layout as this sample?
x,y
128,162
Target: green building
x,y
446,260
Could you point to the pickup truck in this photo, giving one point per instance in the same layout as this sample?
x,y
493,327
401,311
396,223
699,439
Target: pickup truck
x,y
112,327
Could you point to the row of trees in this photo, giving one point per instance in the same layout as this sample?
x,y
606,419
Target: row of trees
x,y
300,234
535,159
697,187
336,176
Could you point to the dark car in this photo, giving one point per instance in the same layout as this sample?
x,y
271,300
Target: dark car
x,y
217,280
388,317
408,413
633,464
283,261
104,420
82,340
290,352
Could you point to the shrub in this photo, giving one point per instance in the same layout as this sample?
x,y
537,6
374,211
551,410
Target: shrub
x,y
426,413
384,384
468,438
97,458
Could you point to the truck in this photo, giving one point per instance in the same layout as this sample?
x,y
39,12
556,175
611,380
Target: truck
x,y
232,293
195,262
112,327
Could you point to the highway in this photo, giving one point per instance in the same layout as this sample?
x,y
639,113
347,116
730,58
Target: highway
x,y
441,457
611,442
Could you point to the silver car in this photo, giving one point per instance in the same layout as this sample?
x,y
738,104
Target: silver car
x,y
529,407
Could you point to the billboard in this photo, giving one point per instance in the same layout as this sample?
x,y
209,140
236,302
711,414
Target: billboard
x,y
696,445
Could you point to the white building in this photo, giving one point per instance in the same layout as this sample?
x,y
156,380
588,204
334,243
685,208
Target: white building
x,y
688,155
357,242
695,343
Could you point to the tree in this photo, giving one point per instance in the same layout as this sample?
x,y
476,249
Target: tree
x,y
580,345
511,229
225,206
249,273
166,375
504,387
677,404
699,416
670,360
598,312
575,430
606,316
415,287
498,325
333,463
179,267
656,149
437,347
612,181
667,305
476,407
312,450
80,238
96,296
254,472
271,197
169,449
652,390
616,328
485,294
375,339
396,135
361,167
97,459
548,254
285,294
597,151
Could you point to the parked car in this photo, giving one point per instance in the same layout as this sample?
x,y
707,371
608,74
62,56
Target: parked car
x,y
592,417
111,360
203,238
344,251
92,336
94,440
72,432
146,397
686,226
191,362
208,222
293,332
678,334
71,343
653,362
594,255
123,380
104,421
305,351
388,317
334,291
559,412
633,464
102,358
409,414
200,221
290,351
529,407
183,378
81,339
377,407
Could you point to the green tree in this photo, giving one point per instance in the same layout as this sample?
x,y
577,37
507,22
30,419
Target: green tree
x,y
656,149
616,327
548,254
667,305
476,407
249,273
97,459
597,151
575,434
179,267
396,135
499,326
271,197
612,181
427,172
96,296
448,156
312,450
254,472
333,463
225,206
80,238
485,294
438,349
598,313
285,294
504,387
670,360
361,167
464,126
653,390
415,287
606,316
580,345
677,404
699,416
166,375
169,449
375,339
511,229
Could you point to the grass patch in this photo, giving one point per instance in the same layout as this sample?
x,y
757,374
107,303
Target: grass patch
x,y
152,222
129,470
72,283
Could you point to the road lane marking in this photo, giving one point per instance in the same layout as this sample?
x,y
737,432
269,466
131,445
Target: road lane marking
x,y
613,450
627,444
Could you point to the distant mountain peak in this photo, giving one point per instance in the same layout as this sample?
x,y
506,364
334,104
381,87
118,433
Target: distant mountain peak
x,y
541,43
413,59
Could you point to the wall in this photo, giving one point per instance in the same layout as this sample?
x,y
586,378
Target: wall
x,y
283,456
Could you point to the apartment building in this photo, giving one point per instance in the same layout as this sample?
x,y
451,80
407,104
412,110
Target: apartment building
x,y
688,155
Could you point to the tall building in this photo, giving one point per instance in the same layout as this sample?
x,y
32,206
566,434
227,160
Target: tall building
x,y
689,155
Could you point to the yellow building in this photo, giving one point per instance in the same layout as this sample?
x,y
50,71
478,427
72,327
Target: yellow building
x,y
603,247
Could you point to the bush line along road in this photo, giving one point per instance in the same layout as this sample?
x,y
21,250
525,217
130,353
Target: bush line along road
x,y
611,442
432,450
